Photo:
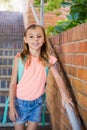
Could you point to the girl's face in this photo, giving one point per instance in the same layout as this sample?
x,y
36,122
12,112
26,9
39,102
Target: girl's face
x,y
34,38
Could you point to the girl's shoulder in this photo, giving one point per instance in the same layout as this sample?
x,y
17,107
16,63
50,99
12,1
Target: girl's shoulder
x,y
52,59
17,57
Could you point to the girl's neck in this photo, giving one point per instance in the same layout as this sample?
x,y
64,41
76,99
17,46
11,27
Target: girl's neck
x,y
35,53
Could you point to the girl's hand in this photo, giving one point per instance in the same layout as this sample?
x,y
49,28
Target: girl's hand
x,y
13,115
66,99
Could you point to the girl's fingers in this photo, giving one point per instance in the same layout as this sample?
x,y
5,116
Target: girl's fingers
x,y
68,102
16,114
13,115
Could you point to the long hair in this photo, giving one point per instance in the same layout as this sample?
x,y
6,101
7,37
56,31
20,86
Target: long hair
x,y
44,53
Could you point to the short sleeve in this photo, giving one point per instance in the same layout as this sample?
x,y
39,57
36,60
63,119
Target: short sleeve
x,y
52,59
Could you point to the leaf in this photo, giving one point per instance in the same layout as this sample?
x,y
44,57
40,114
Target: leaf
x,y
70,17
65,4
76,16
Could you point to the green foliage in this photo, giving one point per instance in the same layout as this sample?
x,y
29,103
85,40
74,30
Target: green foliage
x,y
6,4
37,2
78,15
53,5
60,27
50,5
4,1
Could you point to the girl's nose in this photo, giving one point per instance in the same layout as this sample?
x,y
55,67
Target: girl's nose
x,y
36,38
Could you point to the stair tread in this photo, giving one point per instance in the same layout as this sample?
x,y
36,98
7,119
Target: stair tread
x,y
2,104
4,89
12,124
5,76
5,66
9,57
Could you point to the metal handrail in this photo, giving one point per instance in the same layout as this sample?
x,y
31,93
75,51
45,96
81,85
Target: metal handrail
x,y
41,20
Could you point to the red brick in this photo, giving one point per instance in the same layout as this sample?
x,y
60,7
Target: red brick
x,y
69,33
82,74
71,48
66,68
68,59
75,34
72,71
83,47
86,60
82,31
81,100
62,59
65,48
65,35
57,49
70,79
85,33
84,88
77,84
78,60
56,39
61,38
74,48
83,114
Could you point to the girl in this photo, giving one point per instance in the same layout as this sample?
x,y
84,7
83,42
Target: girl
x,y
26,96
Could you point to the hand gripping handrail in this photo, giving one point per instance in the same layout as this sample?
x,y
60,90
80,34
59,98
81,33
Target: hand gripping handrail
x,y
74,121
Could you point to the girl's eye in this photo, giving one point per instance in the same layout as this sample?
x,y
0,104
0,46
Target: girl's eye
x,y
39,36
30,36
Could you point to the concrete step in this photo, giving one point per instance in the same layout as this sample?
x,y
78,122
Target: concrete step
x,y
5,70
9,126
4,82
39,128
6,60
9,52
11,44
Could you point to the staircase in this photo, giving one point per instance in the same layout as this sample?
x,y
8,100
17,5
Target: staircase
x,y
11,42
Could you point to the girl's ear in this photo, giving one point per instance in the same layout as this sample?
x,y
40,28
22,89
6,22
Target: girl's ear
x,y
25,40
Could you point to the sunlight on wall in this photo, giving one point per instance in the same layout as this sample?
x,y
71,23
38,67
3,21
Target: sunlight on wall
x,y
13,5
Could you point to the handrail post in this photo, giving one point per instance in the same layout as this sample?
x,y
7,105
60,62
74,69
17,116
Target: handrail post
x,y
35,14
42,13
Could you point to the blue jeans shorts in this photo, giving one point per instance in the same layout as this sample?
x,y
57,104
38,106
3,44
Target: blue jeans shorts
x,y
28,110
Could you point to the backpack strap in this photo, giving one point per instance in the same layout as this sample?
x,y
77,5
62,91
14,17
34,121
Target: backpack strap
x,y
20,70
4,120
47,70
44,105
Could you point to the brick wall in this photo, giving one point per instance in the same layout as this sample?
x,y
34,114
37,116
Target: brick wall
x,y
71,48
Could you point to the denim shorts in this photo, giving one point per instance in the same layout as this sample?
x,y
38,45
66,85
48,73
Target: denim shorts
x,y
28,110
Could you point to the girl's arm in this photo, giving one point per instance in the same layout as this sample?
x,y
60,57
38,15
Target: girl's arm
x,y
61,85
12,90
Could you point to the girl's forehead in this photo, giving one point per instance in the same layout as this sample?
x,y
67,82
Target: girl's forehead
x,y
36,30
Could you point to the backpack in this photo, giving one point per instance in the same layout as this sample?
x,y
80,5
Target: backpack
x,y
19,76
